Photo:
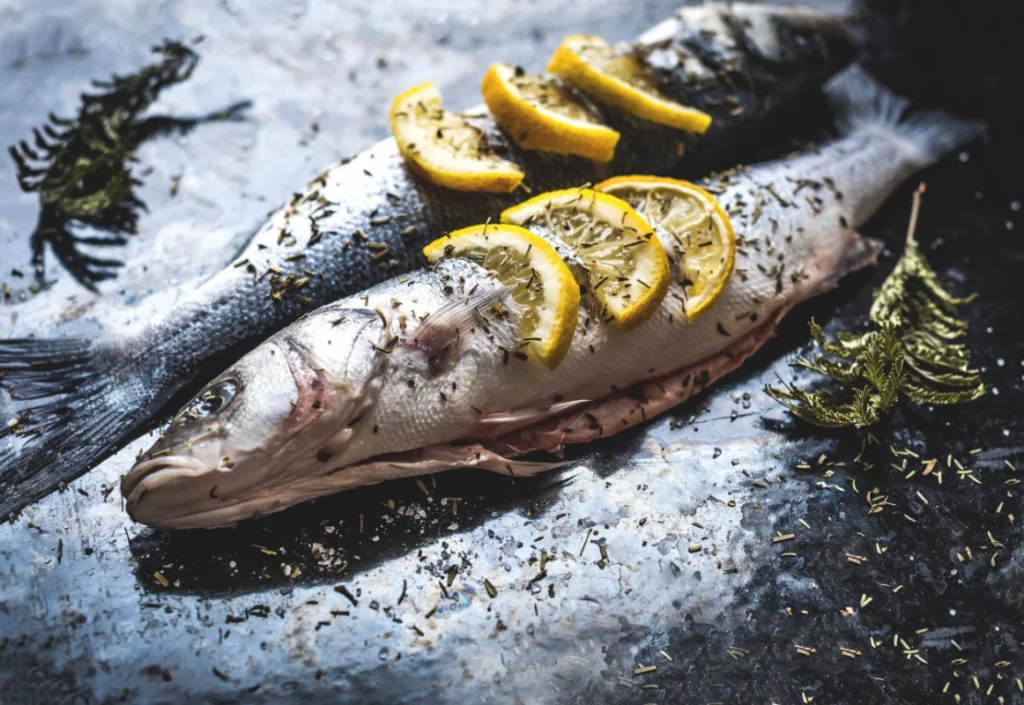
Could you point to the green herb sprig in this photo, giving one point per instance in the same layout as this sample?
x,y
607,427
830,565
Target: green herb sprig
x,y
82,168
913,352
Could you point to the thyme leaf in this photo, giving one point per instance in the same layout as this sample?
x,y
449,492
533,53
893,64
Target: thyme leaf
x,y
913,351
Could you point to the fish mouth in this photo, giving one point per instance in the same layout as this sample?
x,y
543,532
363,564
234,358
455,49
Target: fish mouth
x,y
173,492
176,487
154,472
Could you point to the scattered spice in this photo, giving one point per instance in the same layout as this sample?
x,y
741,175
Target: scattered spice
x,y
343,590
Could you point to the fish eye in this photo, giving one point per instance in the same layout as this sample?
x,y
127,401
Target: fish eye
x,y
799,36
213,399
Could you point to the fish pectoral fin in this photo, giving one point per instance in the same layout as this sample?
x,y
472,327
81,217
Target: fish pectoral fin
x,y
524,468
443,329
428,460
476,456
501,422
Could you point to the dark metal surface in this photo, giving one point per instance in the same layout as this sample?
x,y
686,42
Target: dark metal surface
x,y
659,544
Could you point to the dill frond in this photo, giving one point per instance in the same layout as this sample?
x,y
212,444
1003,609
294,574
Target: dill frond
x,y
82,168
913,352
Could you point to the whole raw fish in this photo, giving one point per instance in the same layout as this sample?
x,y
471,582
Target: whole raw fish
x,y
366,219
347,396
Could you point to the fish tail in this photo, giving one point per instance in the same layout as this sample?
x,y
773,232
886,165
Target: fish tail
x,y
859,101
77,400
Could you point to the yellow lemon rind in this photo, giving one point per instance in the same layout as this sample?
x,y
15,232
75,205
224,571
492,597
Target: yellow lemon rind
x,y
655,259
708,297
535,128
501,180
546,262
567,63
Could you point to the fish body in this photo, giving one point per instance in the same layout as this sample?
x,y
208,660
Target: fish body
x,y
363,390
366,219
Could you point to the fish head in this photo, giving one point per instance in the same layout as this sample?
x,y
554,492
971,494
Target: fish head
x,y
264,423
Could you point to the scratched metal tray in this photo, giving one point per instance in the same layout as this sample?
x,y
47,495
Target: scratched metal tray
x,y
650,571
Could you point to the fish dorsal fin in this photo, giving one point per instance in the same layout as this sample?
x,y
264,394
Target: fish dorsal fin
x,y
501,422
444,328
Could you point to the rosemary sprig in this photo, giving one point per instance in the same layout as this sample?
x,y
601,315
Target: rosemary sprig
x,y
913,351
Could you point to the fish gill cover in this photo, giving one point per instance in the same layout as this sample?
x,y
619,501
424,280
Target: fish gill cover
x,y
83,168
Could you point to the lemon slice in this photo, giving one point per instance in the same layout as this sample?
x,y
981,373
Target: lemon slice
x,y
444,147
694,227
540,113
590,64
543,285
624,264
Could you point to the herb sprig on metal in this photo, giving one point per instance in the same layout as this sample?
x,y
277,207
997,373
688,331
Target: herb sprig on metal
x,y
82,168
913,352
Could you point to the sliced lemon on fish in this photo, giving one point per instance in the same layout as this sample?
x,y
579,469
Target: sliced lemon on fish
x,y
542,284
541,113
693,226
592,65
445,147
624,265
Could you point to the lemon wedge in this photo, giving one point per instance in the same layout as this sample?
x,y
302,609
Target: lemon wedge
x,y
444,147
592,65
542,284
623,264
540,113
694,228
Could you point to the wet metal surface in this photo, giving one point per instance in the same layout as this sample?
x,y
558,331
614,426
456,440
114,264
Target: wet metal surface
x,y
658,568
